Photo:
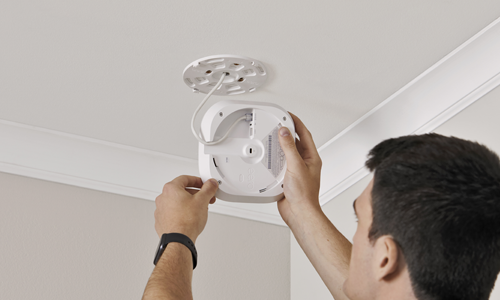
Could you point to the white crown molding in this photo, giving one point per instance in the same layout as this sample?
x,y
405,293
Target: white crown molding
x,y
99,165
449,86
453,83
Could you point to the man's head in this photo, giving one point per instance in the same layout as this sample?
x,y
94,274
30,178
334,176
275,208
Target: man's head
x,y
429,219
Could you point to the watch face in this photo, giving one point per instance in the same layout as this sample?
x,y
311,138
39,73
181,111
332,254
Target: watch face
x,y
158,251
159,245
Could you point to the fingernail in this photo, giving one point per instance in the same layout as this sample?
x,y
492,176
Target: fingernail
x,y
284,131
214,182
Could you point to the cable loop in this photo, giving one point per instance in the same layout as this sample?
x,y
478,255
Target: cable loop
x,y
200,139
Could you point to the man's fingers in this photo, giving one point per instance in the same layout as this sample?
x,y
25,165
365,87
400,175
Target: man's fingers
x,y
306,140
293,158
192,191
208,190
185,181
299,146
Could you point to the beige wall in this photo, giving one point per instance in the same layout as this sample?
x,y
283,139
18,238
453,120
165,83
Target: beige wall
x,y
479,122
63,242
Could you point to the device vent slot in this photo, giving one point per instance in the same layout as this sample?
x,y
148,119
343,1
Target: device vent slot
x,y
219,66
262,190
201,80
215,162
235,92
249,72
211,61
269,147
260,70
189,82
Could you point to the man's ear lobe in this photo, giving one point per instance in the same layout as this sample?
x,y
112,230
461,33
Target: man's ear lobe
x,y
387,257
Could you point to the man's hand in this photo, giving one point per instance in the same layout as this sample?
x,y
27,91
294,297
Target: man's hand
x,y
302,178
184,210
327,249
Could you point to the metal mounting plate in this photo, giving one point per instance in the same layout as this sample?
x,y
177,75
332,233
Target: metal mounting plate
x,y
245,74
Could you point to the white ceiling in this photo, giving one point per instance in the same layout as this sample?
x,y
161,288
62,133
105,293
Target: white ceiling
x,y
112,70
479,122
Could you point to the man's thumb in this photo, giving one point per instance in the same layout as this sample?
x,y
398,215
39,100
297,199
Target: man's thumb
x,y
208,189
287,142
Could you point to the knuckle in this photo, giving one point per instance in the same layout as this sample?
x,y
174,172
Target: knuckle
x,y
180,178
317,164
167,186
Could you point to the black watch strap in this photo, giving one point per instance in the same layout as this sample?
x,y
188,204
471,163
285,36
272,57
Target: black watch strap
x,y
178,238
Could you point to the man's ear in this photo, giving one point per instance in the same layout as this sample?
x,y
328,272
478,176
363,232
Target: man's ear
x,y
387,258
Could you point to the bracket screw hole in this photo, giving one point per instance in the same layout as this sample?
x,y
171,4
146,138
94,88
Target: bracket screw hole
x,y
281,185
284,118
208,72
220,182
221,114
236,64
241,79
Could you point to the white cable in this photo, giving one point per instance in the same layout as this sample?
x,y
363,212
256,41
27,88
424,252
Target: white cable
x,y
198,109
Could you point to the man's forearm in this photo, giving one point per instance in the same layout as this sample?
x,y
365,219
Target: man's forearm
x,y
327,249
171,278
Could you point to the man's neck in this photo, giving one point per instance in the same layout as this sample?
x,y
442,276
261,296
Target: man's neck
x,y
397,288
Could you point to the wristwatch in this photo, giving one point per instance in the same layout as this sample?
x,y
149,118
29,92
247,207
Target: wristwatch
x,y
178,238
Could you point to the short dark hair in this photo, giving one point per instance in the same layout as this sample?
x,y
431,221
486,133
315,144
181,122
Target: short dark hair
x,y
439,199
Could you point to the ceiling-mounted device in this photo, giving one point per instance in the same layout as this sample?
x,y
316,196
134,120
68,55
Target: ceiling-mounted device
x,y
238,143
243,74
249,164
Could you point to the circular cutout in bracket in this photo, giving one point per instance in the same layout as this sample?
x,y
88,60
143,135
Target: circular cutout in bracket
x,y
245,74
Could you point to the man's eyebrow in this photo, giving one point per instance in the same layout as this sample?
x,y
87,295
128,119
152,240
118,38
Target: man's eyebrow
x,y
354,206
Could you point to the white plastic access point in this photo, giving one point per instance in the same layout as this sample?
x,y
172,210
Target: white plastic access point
x,y
239,143
250,164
